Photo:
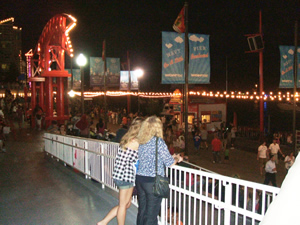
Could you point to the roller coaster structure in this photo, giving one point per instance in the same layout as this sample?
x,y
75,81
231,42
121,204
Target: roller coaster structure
x,y
46,68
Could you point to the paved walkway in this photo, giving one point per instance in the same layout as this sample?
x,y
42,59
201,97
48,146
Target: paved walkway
x,y
36,189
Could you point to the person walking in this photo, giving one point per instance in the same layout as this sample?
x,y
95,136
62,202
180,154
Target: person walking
x,y
262,155
124,173
274,149
149,204
203,133
216,145
197,141
271,171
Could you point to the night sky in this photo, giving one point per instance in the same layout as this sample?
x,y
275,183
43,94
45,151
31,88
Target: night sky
x,y
136,26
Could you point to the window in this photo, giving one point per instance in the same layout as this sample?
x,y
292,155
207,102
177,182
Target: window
x,y
206,116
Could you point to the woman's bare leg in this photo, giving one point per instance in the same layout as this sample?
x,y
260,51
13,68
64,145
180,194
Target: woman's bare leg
x,y
119,211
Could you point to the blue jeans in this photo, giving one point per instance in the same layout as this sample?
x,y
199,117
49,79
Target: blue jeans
x,y
149,205
216,156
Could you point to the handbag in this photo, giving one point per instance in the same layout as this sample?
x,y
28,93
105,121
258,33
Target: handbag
x,y
161,184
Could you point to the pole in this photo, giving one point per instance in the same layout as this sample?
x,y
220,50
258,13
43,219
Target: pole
x,y
72,79
105,85
295,87
129,84
261,84
226,89
139,107
82,90
186,73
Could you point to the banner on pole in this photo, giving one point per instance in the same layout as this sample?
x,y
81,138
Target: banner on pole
x,y
124,81
97,72
76,79
199,59
113,72
287,67
172,58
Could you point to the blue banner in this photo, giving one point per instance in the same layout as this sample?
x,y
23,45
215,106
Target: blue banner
x,y
124,81
172,58
96,71
113,72
287,66
76,79
199,59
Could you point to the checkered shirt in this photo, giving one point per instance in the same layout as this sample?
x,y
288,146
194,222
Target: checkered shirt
x,y
124,168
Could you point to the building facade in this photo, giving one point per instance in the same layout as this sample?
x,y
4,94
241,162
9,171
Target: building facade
x,y
11,65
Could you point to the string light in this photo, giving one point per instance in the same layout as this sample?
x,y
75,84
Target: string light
x,y
233,95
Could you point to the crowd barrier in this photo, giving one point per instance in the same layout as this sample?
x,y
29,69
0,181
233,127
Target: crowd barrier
x,y
197,196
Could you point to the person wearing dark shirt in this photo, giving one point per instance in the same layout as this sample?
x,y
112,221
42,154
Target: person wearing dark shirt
x,y
120,133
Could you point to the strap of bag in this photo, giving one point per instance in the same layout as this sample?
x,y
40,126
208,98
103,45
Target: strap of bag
x,y
156,156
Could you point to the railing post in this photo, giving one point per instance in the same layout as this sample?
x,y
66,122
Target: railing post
x,y
228,198
86,161
102,165
163,211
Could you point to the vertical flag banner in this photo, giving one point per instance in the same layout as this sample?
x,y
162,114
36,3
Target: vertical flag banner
x,y
124,81
199,59
179,25
113,72
134,80
96,71
287,67
172,58
76,79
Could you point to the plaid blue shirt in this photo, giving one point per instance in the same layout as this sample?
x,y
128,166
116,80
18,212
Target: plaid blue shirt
x,y
146,156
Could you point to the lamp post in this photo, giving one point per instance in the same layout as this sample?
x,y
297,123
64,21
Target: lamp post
x,y
81,62
71,92
139,73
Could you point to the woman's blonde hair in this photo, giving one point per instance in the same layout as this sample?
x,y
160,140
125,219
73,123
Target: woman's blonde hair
x,y
152,126
132,132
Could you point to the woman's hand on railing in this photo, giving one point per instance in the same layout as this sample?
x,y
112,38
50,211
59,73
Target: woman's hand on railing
x,y
177,158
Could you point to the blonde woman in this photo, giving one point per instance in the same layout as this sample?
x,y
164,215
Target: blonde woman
x,y
149,205
124,173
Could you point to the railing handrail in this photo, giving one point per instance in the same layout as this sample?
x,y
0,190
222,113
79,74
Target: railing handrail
x,y
201,196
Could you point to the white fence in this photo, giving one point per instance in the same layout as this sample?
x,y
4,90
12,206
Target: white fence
x,y
197,196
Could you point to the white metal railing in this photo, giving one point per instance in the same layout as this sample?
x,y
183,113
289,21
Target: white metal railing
x,y
197,195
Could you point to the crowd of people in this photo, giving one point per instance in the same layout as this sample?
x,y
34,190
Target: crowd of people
x,y
268,159
139,137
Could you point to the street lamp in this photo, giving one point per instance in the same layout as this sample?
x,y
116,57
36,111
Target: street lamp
x,y
81,62
139,73
71,92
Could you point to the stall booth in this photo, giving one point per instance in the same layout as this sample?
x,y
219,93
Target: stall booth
x,y
201,110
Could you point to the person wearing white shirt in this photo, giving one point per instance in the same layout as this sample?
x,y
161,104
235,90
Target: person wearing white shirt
x,y
289,161
271,171
262,154
274,149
